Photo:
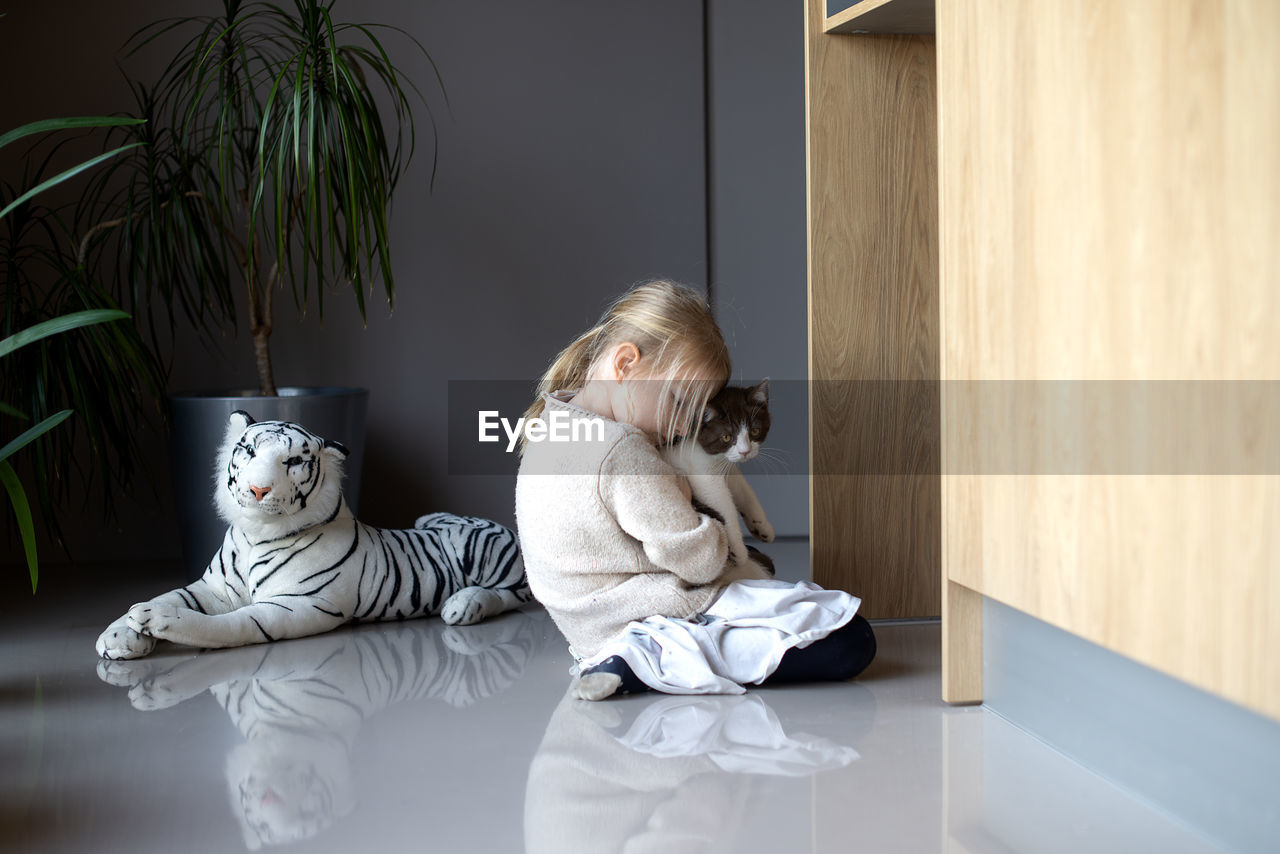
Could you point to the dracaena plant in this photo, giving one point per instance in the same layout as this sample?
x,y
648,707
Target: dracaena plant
x,y
61,350
273,142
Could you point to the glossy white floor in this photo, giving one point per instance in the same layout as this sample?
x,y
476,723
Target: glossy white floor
x,y
413,736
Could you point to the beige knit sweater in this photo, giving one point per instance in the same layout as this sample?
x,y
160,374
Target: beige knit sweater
x,y
608,535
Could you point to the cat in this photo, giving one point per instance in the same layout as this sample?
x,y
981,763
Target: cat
x,y
734,425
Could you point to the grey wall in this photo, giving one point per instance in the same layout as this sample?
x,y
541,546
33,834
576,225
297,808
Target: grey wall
x,y
572,164
757,189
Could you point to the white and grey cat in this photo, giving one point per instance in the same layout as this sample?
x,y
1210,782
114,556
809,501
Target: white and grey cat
x,y
734,425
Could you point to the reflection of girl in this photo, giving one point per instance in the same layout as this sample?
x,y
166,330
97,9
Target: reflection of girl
x,y
633,575
687,774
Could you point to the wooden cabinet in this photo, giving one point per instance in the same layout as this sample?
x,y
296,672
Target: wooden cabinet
x,y
1108,267
873,308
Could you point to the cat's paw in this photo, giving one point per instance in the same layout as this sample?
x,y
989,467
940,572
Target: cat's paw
x,y
761,529
153,618
470,605
120,641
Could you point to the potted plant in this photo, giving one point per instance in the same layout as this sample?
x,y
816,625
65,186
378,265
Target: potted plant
x,y
266,164
52,363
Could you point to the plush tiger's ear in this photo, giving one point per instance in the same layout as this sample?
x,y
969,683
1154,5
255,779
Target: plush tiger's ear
x,y
336,448
240,419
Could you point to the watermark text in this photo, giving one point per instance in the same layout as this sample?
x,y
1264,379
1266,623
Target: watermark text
x,y
558,426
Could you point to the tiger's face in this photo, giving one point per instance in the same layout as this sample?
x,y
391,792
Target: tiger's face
x,y
277,475
288,789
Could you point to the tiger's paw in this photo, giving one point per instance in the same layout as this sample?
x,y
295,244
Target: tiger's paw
x,y
482,637
121,674
476,639
153,618
127,674
470,605
148,683
120,641
157,693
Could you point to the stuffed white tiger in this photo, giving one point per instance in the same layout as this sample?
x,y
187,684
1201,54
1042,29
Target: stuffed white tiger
x,y
296,562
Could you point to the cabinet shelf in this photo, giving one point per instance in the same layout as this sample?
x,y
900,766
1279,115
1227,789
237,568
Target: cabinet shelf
x,y
879,16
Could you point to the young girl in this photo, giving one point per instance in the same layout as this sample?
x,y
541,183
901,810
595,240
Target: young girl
x,y
637,579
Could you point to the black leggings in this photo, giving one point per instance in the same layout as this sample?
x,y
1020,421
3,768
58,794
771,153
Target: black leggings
x,y
841,655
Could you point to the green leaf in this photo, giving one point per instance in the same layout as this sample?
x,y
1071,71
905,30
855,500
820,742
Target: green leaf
x,y
59,324
33,433
11,411
46,125
22,509
63,176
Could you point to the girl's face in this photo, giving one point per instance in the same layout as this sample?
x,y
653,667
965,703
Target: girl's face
x,y
664,406
662,403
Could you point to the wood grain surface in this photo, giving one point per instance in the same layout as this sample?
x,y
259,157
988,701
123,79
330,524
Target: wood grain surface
x,y
1110,211
873,312
883,16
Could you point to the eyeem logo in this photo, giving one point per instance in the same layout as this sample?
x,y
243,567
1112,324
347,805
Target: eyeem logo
x,y
558,426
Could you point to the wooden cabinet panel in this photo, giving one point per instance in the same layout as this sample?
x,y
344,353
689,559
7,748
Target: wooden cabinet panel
x,y
872,211
1110,211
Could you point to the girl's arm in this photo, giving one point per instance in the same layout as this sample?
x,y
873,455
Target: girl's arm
x,y
643,493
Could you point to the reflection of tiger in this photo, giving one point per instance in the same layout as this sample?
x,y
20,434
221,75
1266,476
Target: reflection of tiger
x,y
300,705
296,562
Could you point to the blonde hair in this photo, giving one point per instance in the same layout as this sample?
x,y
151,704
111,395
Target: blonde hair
x,y
672,327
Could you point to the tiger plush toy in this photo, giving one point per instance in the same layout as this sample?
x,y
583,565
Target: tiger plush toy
x,y
296,562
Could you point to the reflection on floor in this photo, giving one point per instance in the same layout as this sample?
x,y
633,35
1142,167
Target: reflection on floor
x,y
416,736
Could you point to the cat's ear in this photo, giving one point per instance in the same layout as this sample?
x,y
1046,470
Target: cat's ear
x,y
759,394
709,412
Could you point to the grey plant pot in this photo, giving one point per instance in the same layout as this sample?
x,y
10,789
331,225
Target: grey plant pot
x,y
199,425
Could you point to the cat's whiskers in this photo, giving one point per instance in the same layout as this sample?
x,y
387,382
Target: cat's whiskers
x,y
722,465
773,460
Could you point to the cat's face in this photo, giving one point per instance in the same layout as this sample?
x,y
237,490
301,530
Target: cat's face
x,y
736,422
